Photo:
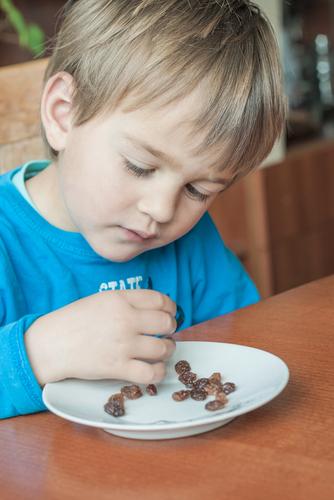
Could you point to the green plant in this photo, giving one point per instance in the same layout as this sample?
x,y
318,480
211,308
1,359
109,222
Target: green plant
x,y
30,36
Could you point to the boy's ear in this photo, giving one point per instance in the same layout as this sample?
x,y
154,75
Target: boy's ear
x,y
56,109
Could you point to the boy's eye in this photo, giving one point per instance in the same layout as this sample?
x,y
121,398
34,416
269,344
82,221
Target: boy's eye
x,y
138,171
144,172
195,194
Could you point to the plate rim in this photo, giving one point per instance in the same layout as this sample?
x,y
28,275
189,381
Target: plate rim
x,y
202,421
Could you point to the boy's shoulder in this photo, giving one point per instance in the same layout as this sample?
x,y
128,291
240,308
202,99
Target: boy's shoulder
x,y
9,204
204,232
7,189
6,176
201,244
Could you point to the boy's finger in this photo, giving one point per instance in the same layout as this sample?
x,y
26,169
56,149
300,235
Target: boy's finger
x,y
151,348
154,322
150,299
141,372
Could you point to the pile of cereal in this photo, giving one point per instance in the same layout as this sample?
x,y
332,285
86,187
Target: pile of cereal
x,y
115,404
196,388
200,388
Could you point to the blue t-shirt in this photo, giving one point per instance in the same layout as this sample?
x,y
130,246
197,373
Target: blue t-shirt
x,y
43,268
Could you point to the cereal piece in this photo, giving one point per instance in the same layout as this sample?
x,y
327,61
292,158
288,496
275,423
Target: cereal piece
x,y
229,387
198,395
182,366
187,377
117,397
152,390
214,405
221,396
201,383
211,389
180,395
216,378
115,405
131,391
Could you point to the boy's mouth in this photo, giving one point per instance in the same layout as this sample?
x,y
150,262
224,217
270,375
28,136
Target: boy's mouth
x,y
136,235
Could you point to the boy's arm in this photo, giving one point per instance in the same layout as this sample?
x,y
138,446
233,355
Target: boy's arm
x,y
20,392
96,337
221,283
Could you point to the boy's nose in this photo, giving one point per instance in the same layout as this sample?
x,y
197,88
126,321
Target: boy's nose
x,y
160,206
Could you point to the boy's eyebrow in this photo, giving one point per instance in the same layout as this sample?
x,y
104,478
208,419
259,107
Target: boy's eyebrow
x,y
161,155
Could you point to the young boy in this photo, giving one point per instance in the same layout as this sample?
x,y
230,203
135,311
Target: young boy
x,y
150,109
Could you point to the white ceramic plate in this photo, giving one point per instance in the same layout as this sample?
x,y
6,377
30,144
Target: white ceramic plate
x,y
259,376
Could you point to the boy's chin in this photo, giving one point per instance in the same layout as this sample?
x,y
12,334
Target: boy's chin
x,y
122,252
118,255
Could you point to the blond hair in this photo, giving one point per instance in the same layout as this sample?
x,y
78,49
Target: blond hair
x,y
158,51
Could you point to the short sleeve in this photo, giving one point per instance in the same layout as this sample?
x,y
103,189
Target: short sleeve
x,y
220,282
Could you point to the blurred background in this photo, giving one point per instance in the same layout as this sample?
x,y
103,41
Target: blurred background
x,y
279,220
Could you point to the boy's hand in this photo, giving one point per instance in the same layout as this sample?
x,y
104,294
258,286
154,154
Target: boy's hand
x,y
101,336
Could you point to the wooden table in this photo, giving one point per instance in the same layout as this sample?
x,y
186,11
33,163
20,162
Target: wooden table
x,y
284,450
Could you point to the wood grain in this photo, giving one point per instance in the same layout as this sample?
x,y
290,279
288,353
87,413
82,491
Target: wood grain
x,y
283,450
20,91
299,196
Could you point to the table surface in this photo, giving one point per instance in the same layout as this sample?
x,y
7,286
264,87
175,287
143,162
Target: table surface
x,y
284,450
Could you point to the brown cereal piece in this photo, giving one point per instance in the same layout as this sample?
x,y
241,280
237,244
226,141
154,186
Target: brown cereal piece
x,y
182,366
211,388
229,387
187,378
221,396
151,389
198,395
180,395
201,383
115,405
132,391
117,397
216,378
214,405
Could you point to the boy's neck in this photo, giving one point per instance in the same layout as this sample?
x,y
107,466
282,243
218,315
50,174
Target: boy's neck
x,y
44,191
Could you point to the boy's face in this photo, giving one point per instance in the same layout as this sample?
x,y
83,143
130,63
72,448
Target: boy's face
x,y
123,196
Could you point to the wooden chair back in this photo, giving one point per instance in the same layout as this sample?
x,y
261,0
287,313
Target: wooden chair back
x,y
20,89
